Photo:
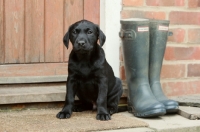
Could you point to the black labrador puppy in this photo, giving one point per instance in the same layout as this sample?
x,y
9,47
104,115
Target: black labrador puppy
x,y
90,77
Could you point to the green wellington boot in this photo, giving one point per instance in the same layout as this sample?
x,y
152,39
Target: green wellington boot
x,y
135,38
158,39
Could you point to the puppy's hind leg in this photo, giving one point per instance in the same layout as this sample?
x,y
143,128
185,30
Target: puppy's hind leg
x,y
114,97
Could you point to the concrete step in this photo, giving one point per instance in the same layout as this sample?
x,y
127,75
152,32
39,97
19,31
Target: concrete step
x,y
33,89
33,93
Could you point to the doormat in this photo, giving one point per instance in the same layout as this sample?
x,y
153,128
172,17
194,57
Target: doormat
x,y
45,121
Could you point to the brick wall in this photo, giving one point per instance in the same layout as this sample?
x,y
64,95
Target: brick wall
x,y
181,66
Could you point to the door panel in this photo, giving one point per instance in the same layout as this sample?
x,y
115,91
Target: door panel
x,y
34,31
53,30
14,31
92,10
31,34
73,12
2,46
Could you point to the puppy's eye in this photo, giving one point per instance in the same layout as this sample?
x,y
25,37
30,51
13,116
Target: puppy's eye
x,y
74,32
89,32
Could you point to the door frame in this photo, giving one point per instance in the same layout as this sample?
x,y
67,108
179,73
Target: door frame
x,y
110,25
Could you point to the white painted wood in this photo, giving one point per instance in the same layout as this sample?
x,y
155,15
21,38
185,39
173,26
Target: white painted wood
x,y
110,25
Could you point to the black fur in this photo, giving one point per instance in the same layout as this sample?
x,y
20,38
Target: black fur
x,y
90,77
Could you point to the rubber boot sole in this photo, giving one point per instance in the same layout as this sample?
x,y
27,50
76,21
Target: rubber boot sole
x,y
149,114
171,109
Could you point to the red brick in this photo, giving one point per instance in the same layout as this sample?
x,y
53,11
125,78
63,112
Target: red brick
x,y
133,2
193,70
179,88
126,14
165,2
178,35
193,3
194,35
173,71
122,73
182,53
188,18
143,14
155,15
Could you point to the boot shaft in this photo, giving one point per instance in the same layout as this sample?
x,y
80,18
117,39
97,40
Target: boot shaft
x,y
158,39
135,38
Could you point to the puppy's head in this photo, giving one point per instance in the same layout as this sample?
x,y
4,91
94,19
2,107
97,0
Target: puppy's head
x,y
84,36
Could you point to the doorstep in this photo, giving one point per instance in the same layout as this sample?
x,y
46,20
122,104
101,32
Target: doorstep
x,y
166,123
29,89
35,93
32,93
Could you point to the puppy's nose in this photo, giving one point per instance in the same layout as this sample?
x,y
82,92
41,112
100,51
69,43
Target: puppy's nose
x,y
81,43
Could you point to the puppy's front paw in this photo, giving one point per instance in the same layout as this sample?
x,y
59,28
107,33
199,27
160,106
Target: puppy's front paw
x,y
63,115
103,117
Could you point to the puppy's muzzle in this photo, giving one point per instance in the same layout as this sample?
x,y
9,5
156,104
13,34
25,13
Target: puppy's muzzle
x,y
81,44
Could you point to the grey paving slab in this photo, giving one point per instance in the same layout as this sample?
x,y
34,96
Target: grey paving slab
x,y
166,123
142,129
169,123
188,100
191,113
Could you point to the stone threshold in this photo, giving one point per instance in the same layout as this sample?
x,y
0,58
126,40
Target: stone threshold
x,y
33,93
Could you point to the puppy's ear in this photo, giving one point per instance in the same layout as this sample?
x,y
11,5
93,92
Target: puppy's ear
x,y
101,36
66,38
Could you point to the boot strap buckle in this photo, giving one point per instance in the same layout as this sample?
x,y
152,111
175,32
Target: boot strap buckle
x,y
127,34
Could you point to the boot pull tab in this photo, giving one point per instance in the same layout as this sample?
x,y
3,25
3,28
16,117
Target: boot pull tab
x,y
127,34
